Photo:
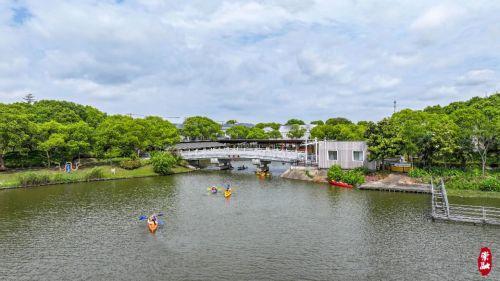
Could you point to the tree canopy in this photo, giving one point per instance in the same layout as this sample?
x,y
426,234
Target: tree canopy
x,y
201,128
294,122
63,131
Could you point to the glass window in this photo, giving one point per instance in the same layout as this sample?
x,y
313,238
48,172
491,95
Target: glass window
x,y
332,155
357,155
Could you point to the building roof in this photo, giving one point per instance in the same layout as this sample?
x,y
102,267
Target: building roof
x,y
266,141
198,145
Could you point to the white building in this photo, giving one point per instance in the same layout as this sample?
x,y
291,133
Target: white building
x,y
347,154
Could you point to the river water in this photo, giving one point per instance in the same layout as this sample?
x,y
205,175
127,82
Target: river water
x,y
270,229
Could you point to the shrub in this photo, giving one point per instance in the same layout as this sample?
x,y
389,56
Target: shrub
x,y
489,184
130,164
418,173
29,179
94,174
62,178
335,173
163,163
363,170
353,177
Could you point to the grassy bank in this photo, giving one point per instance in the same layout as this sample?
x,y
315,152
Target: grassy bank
x,y
43,176
473,193
470,183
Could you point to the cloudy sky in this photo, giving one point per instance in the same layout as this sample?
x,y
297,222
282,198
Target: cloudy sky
x,y
250,60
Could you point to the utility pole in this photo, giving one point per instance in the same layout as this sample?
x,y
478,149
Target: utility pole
x,y
29,98
394,106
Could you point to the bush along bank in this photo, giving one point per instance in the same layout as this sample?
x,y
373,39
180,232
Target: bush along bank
x,y
45,178
48,177
460,180
353,177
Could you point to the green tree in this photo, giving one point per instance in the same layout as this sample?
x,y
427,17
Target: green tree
x,y
55,145
383,140
274,134
273,125
238,132
15,131
294,122
296,132
340,132
163,162
201,128
257,133
157,133
80,138
232,122
337,120
478,132
118,136
318,122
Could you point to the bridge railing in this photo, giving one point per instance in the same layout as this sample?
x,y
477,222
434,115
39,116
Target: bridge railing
x,y
245,153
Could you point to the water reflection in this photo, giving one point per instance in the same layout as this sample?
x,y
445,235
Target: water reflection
x,y
270,229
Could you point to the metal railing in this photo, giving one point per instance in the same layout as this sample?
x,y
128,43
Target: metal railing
x,y
443,210
244,153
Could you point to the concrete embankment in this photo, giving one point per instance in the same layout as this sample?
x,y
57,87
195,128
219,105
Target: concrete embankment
x,y
305,174
397,182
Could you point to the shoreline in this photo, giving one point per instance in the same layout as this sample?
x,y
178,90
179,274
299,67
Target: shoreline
x,y
176,170
315,176
319,176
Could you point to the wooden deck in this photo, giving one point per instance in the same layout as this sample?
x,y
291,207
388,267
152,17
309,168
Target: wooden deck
x,y
396,188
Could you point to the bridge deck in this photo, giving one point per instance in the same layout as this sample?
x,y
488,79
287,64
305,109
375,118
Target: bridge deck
x,y
245,153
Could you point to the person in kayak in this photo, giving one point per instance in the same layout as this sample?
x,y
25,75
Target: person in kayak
x,y
154,218
214,189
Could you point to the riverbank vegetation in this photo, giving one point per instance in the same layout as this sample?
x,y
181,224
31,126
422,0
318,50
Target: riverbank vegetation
x,y
353,177
46,177
54,132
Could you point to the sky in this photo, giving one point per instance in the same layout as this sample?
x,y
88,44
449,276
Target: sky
x,y
252,61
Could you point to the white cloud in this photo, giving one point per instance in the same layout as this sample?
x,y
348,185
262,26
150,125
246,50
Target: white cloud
x,y
254,60
477,76
404,60
437,16
313,64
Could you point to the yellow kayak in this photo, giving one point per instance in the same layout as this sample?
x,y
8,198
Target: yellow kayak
x,y
152,226
227,193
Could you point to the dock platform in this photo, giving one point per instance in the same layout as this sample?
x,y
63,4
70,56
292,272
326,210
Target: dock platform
x,y
443,210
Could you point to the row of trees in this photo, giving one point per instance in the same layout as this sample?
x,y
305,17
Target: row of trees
x,y
203,128
64,131
460,132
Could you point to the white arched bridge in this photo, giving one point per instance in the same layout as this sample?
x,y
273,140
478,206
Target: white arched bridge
x,y
244,153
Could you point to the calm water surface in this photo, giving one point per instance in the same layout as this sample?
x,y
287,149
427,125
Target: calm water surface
x,y
271,229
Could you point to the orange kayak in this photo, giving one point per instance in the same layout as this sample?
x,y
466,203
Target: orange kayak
x,y
227,193
152,226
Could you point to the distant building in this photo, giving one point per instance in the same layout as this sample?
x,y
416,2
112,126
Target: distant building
x,y
285,129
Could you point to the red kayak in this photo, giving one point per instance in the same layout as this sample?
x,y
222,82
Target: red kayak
x,y
340,184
